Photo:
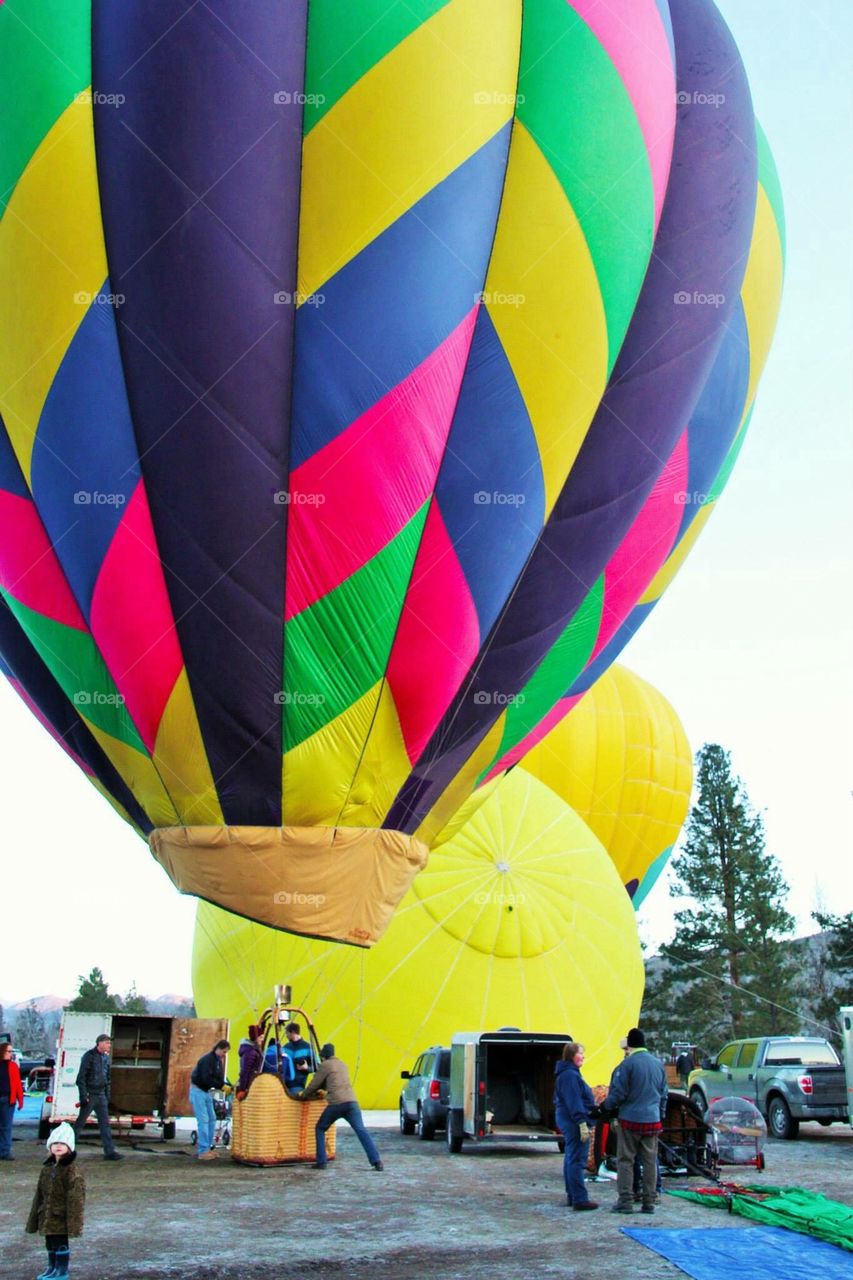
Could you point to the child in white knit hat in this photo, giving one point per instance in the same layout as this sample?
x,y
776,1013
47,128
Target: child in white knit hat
x,y
57,1210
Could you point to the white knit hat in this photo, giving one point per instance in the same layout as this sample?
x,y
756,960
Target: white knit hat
x,y
62,1133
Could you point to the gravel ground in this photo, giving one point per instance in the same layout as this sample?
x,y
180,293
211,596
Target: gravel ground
x,y
495,1212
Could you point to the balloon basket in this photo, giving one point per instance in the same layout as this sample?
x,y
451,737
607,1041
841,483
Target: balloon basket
x,y
271,1128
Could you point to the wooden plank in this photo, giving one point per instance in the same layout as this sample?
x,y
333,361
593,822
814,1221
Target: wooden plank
x,y
190,1038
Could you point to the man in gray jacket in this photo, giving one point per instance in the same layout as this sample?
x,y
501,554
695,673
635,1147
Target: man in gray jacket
x,y
93,1085
638,1092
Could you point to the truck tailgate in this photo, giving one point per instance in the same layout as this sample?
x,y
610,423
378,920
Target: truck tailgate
x,y
829,1086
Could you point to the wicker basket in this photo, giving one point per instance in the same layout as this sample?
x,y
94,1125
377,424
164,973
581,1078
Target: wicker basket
x,y
270,1127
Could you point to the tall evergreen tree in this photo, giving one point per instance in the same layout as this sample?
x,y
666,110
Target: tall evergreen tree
x,y
729,971
93,995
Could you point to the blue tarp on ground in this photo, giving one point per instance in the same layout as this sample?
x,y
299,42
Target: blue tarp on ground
x,y
734,1253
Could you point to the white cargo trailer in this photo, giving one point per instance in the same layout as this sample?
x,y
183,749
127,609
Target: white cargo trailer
x,y
151,1062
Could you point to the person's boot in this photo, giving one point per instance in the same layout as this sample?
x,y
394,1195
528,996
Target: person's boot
x,y
50,1270
63,1257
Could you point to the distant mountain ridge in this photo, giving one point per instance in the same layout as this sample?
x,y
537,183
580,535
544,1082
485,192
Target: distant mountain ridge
x,y
164,1004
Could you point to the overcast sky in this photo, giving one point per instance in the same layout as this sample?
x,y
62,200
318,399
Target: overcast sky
x,y
751,644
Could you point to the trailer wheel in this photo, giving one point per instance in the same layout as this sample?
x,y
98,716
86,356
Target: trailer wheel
x,y
455,1136
169,1130
44,1129
780,1122
561,1145
194,1137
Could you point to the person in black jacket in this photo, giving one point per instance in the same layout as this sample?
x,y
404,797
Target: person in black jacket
x,y
208,1073
93,1085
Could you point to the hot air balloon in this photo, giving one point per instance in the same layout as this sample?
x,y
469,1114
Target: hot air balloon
x,y
336,366
519,918
622,761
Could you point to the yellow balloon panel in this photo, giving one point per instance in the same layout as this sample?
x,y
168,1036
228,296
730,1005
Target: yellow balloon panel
x,y
621,759
432,974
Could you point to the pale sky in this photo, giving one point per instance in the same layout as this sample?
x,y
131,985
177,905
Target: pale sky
x,y
751,644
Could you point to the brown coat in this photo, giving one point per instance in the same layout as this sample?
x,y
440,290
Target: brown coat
x,y
334,1077
59,1199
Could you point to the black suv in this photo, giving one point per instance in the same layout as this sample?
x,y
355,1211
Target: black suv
x,y
425,1096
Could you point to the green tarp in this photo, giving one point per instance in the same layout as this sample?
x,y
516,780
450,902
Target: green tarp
x,y
792,1207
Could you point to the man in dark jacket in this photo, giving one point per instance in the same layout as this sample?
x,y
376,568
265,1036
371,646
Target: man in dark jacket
x,y
93,1085
208,1073
638,1091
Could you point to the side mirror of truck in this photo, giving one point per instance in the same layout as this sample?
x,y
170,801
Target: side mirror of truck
x,y
709,1064
405,1075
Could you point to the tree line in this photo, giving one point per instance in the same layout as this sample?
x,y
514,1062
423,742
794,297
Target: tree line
x,y
733,967
34,1032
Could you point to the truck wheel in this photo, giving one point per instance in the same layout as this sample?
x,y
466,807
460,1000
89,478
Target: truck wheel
x,y
169,1130
455,1137
780,1122
407,1126
697,1097
426,1129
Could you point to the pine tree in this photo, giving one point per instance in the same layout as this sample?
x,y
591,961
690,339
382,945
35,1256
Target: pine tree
x,y
133,1002
838,959
30,1032
93,995
729,971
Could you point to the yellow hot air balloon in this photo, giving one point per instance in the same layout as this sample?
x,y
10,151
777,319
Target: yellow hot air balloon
x,y
621,759
519,918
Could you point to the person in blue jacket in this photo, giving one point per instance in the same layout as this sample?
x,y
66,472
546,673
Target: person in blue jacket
x,y
574,1103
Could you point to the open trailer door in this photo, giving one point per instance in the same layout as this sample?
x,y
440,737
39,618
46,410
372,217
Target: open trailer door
x,y
190,1038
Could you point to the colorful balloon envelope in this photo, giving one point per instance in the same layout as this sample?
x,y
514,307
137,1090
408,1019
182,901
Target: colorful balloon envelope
x,y
342,346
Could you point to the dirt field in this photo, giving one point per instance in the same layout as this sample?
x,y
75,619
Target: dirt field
x,y
490,1212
